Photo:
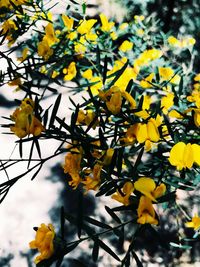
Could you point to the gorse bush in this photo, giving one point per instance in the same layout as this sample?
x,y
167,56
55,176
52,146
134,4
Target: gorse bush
x,y
134,135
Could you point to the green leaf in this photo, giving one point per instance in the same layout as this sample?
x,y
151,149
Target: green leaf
x,y
179,246
138,160
20,148
105,68
96,223
98,59
112,214
37,147
95,251
137,260
30,155
36,173
84,6
55,110
106,248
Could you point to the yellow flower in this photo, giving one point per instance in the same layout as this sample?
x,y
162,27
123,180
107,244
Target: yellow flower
x,y
195,97
97,86
195,223
72,166
70,71
146,83
146,57
106,25
148,132
44,50
43,242
16,82
87,74
147,187
173,41
68,22
139,18
184,155
165,73
175,114
183,43
130,136
54,74
8,28
126,46
146,212
115,102
197,77
86,117
140,32
123,26
197,117
167,102
86,26
92,182
24,54
25,121
124,195
80,47
113,98
50,36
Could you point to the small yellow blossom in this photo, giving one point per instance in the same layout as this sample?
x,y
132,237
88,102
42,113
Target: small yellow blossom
x,y
92,182
184,155
85,26
44,238
146,57
139,18
106,25
147,187
182,43
72,166
146,212
24,54
140,32
123,26
197,77
175,114
113,98
54,74
80,47
126,46
8,28
44,50
124,195
167,102
165,73
148,133
70,71
68,22
25,121
87,74
86,117
50,36
194,223
147,82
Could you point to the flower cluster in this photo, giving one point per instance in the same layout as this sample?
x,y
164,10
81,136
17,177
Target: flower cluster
x,y
25,121
44,238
